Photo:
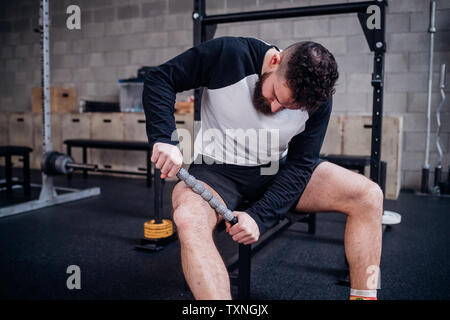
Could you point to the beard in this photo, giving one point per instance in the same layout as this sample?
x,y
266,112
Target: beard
x,y
259,101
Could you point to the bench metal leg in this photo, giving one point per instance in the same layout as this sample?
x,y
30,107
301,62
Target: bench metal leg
x,y
69,153
84,161
383,168
26,175
245,252
8,174
157,203
149,169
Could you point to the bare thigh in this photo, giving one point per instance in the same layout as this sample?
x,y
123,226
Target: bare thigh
x,y
333,188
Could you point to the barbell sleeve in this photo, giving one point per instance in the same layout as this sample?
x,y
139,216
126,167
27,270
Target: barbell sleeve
x,y
84,166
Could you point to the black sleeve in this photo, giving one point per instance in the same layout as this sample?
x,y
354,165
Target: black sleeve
x,y
291,180
214,64
186,71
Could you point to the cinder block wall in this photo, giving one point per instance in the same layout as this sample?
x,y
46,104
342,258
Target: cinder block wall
x,y
119,36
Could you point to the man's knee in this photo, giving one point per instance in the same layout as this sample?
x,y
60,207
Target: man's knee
x,y
370,200
375,197
191,213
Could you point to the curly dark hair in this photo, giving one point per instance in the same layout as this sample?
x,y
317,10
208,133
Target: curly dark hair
x,y
311,72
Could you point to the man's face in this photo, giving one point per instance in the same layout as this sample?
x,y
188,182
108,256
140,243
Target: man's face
x,y
272,95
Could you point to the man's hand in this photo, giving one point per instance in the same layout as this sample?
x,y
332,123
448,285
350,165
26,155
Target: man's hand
x,y
246,231
167,158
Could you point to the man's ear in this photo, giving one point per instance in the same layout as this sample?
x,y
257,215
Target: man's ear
x,y
275,61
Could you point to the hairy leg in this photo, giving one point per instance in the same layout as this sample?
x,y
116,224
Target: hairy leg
x,y
333,188
203,267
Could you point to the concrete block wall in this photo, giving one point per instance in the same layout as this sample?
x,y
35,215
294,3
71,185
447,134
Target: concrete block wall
x,y
119,36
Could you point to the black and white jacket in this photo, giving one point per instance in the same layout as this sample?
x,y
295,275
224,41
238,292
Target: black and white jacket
x,y
228,68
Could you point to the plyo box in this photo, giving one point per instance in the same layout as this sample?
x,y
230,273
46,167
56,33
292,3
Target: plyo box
x,y
20,133
357,137
333,141
135,130
75,126
3,133
61,99
107,126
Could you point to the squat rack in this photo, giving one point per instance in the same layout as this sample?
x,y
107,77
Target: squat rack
x,y
48,195
205,28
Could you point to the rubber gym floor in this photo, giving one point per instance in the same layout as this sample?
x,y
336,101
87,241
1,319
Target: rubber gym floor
x,y
99,235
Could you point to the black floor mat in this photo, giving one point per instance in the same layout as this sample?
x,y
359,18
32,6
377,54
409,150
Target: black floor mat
x,y
99,235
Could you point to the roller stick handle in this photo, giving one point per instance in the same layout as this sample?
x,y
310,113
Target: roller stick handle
x,y
234,221
215,203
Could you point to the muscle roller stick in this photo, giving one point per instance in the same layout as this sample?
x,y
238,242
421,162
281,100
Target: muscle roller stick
x,y
215,203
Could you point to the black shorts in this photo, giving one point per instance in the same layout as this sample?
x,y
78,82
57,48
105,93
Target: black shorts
x,y
235,183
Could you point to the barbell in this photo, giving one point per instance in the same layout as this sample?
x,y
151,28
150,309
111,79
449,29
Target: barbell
x,y
55,163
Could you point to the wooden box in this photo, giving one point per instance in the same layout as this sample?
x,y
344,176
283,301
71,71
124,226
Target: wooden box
x,y
107,126
3,133
333,141
3,129
184,108
20,132
75,126
61,99
135,130
357,136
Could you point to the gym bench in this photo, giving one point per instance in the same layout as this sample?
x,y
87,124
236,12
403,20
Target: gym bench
x,y
115,145
24,152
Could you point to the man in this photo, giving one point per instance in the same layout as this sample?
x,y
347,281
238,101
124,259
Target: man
x,y
251,85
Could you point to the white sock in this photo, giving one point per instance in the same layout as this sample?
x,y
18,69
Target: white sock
x,y
363,293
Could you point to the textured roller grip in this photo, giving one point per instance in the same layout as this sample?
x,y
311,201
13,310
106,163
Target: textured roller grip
x,y
215,203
